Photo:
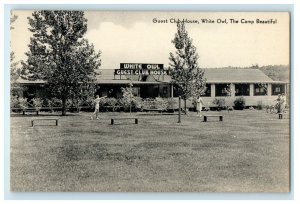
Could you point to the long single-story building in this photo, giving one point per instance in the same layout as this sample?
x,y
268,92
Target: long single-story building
x,y
152,80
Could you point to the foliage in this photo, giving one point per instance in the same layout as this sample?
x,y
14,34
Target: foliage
x,y
23,104
158,103
170,103
239,103
220,102
161,103
111,101
53,103
185,71
15,71
37,103
276,72
59,55
128,99
137,103
14,102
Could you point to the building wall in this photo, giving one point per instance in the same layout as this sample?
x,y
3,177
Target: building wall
x,y
165,91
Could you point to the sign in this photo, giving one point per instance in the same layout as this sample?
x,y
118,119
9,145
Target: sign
x,y
141,72
141,66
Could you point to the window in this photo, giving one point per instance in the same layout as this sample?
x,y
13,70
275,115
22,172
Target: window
x,y
278,89
260,89
222,89
242,90
207,91
165,90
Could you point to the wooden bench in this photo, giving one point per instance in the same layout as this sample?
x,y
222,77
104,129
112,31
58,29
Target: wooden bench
x,y
56,120
206,116
112,120
30,110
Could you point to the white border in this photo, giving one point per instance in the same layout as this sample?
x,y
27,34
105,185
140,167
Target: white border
x,y
296,82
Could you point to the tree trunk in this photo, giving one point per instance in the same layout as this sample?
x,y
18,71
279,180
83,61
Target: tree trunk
x,y
185,111
64,106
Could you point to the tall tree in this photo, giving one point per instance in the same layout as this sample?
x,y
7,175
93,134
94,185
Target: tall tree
x,y
60,55
14,68
185,72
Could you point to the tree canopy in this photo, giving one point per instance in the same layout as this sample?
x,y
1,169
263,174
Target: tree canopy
x,y
60,55
185,71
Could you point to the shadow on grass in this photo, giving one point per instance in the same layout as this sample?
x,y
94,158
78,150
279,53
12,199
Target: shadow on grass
x,y
43,125
41,115
156,114
127,123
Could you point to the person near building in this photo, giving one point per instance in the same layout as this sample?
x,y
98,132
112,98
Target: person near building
x,y
97,106
279,104
199,105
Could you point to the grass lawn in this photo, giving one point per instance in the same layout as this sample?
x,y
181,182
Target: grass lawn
x,y
247,152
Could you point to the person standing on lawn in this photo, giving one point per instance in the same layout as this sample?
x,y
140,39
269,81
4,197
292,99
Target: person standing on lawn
x,y
97,106
279,104
199,104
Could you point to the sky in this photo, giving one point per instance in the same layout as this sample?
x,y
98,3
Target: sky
x,y
145,37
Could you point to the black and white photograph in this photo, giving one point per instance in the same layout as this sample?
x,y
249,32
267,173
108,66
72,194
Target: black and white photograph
x,y
150,101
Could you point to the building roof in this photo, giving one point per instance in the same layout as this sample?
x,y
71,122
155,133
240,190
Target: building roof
x,y
232,75
212,75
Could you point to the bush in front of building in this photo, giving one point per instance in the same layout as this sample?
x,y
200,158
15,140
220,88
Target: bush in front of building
x,y
14,102
112,102
37,103
53,103
130,104
23,103
220,103
161,103
239,103
170,104
75,104
109,104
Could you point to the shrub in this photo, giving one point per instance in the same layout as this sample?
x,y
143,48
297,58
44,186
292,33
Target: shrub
x,y
56,102
23,104
220,102
53,102
239,103
111,102
14,102
137,103
161,103
74,103
89,101
37,103
170,103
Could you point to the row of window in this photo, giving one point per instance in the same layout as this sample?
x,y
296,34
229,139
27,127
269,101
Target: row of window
x,y
244,90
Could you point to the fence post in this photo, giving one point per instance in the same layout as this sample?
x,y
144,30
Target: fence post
x,y
179,110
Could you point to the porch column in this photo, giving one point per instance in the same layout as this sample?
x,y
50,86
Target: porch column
x,y
269,89
171,90
232,90
213,90
251,89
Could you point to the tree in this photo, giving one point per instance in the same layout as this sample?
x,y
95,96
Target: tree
x,y
185,72
59,55
15,70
